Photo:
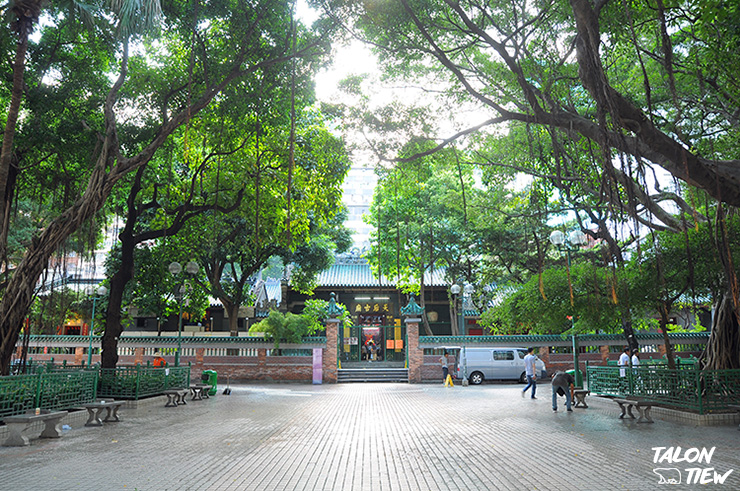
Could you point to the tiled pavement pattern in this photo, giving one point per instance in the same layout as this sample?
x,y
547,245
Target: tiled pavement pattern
x,y
365,437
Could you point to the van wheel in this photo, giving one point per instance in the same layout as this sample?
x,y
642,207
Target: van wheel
x,y
523,378
476,378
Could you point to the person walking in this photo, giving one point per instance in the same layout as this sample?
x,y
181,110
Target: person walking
x,y
529,371
565,383
443,364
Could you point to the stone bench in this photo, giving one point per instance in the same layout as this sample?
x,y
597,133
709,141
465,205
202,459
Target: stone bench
x,y
643,407
18,424
94,409
199,391
580,397
175,397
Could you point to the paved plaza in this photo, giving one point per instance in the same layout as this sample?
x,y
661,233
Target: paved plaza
x,y
371,437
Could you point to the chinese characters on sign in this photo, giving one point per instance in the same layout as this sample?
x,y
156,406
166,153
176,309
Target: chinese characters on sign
x,y
361,308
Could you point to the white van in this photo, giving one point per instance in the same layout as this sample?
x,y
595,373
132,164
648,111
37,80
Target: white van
x,y
495,364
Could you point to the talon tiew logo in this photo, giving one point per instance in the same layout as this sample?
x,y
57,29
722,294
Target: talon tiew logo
x,y
687,475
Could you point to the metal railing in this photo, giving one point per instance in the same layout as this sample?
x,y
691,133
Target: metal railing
x,y
70,341
561,340
690,362
141,381
59,387
688,388
47,390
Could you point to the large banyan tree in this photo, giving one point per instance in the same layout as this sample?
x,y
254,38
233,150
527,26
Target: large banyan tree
x,y
609,93
101,91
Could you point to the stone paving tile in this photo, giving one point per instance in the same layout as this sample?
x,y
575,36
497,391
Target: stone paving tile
x,y
365,437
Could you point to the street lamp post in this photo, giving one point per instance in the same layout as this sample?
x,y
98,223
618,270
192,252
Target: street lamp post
x,y
175,269
97,293
460,301
568,243
455,290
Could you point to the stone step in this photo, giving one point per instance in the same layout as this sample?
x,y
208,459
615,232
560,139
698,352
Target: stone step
x,y
373,375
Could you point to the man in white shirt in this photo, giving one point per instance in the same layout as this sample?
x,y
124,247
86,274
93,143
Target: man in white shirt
x,y
624,361
529,371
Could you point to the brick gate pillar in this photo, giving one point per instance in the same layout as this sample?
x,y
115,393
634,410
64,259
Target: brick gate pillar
x,y
415,354
329,358
199,354
412,313
261,363
662,350
79,356
544,355
604,350
139,356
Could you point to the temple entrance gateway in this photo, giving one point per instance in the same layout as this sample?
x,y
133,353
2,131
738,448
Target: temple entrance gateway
x,y
363,345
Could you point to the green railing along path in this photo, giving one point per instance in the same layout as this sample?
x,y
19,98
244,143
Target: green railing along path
x,y
138,381
59,388
688,387
49,390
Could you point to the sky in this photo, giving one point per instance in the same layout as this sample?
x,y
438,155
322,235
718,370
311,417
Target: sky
x,y
348,59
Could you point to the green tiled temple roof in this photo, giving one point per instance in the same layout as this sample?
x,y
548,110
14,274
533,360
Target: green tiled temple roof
x,y
343,274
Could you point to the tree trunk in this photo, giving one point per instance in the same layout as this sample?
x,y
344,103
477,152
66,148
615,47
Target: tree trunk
x,y
20,291
6,154
723,348
233,311
629,333
118,282
422,304
670,355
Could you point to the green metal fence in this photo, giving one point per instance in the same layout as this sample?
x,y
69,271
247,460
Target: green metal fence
x,y
53,391
62,387
687,388
138,381
690,362
34,366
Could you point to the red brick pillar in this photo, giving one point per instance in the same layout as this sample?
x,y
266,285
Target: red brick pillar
x,y
261,363
662,350
415,354
544,355
80,356
199,354
329,359
139,356
604,350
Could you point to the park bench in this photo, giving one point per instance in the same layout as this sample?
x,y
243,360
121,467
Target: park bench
x,y
736,407
19,423
643,407
175,397
580,396
94,409
199,391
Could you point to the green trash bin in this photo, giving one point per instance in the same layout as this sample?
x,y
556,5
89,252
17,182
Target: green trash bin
x,y
210,377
